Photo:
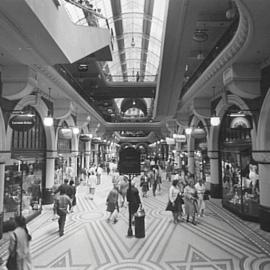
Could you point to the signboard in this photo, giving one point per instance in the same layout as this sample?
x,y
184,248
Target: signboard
x,y
22,122
65,133
179,138
85,137
198,133
170,140
129,161
240,122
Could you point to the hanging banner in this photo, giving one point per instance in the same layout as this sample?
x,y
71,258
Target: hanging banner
x,y
22,122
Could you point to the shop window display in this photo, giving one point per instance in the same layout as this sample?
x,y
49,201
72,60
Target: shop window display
x,y
22,191
240,179
240,182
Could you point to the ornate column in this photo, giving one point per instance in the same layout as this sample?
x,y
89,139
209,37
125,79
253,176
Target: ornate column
x,y
191,162
87,155
96,153
73,164
215,186
263,158
49,182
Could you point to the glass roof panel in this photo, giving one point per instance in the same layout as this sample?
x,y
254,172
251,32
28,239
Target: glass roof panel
x,y
130,27
136,37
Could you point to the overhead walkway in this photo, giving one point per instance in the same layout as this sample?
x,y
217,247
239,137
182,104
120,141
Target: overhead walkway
x,y
221,241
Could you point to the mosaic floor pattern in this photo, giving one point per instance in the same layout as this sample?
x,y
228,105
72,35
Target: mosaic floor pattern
x,y
220,241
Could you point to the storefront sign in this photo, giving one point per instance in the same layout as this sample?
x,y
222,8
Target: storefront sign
x,y
129,161
179,138
240,122
65,133
22,122
170,140
198,133
85,137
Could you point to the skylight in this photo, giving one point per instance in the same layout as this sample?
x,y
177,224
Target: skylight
x,y
136,27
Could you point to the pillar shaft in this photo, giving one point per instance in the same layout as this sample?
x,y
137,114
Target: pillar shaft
x,y
2,184
87,155
264,172
191,166
215,187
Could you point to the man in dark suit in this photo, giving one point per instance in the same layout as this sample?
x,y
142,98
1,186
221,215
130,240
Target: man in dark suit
x,y
133,199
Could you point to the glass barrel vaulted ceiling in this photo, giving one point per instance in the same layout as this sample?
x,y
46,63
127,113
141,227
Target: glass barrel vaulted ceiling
x,y
136,28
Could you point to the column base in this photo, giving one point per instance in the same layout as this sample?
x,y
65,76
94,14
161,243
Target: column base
x,y
215,191
265,218
48,196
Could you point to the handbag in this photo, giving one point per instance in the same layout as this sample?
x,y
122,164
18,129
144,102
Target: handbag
x,y
12,258
169,206
206,195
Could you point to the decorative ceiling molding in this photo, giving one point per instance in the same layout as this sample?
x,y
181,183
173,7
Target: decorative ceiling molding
x,y
66,88
236,46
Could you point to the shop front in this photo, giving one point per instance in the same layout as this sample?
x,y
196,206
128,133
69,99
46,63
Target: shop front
x,y
63,168
239,172
25,171
201,160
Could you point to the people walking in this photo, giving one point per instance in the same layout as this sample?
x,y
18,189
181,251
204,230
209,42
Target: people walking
x,y
112,205
144,183
133,199
123,187
62,205
72,195
190,201
92,182
200,188
98,174
19,245
174,203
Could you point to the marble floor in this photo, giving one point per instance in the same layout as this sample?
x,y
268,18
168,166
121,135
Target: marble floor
x,y
220,241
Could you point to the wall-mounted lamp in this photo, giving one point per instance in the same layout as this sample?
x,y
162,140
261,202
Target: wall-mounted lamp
x,y
188,131
48,120
215,121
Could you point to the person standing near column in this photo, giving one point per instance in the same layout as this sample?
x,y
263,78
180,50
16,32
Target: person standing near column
x,y
200,188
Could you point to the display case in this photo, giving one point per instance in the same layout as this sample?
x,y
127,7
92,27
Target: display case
x,y
22,190
240,183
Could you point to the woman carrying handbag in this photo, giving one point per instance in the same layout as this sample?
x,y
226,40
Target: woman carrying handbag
x,y
19,253
175,201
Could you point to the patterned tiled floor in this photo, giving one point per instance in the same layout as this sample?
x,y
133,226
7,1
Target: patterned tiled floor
x,y
221,241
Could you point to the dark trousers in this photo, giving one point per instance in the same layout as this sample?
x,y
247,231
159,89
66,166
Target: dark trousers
x,y
154,188
61,221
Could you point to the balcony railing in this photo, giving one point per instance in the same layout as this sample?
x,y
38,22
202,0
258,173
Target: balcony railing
x,y
217,49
